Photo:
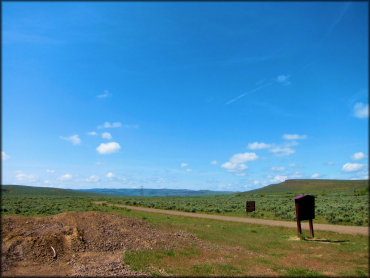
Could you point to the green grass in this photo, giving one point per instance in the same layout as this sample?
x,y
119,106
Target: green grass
x,y
301,272
346,207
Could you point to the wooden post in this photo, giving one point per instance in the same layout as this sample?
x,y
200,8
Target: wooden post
x,y
298,220
311,226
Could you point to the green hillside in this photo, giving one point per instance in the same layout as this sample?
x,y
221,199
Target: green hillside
x,y
21,190
314,186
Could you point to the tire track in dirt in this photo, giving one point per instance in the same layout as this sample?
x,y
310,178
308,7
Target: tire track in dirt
x,y
319,227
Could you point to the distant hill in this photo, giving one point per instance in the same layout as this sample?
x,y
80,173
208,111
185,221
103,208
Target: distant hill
x,y
22,190
157,192
313,186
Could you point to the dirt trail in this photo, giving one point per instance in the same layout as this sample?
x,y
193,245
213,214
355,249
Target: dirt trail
x,y
319,227
78,244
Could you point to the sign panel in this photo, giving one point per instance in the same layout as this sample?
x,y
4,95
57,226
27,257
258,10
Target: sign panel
x,y
250,206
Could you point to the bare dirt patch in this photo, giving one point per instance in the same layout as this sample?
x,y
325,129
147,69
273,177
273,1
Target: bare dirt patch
x,y
85,244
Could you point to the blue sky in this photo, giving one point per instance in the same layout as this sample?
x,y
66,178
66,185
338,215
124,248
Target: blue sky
x,y
196,95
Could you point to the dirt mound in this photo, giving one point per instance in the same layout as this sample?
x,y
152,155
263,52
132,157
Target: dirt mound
x,y
78,243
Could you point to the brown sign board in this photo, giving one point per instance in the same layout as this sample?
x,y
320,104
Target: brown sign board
x,y
305,210
250,206
305,207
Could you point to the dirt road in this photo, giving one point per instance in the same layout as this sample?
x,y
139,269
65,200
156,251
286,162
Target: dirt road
x,y
319,227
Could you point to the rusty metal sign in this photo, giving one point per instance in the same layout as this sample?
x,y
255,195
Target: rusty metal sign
x,y
305,210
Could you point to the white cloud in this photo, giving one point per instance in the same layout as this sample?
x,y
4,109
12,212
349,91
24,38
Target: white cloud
x,y
25,178
92,133
106,135
277,168
92,178
110,125
104,95
46,181
316,175
50,171
352,167
278,151
358,156
292,165
257,146
74,139
233,167
243,157
65,177
236,162
294,136
110,175
214,162
188,170
4,156
108,148
279,178
361,110
256,182
284,79
183,164
331,163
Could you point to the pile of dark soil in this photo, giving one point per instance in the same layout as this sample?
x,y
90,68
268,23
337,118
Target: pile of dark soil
x,y
78,243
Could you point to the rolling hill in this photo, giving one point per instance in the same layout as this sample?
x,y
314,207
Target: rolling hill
x,y
22,190
314,186
157,192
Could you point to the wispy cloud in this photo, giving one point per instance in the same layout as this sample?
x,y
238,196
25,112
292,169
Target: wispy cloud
x,y
130,126
296,175
214,162
65,177
4,156
279,151
183,164
277,168
93,178
74,139
258,88
279,178
104,95
92,133
284,79
106,135
358,156
22,177
361,110
294,137
50,171
110,125
110,175
258,146
339,18
316,175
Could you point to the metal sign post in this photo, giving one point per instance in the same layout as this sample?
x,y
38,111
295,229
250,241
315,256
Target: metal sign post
x,y
305,210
